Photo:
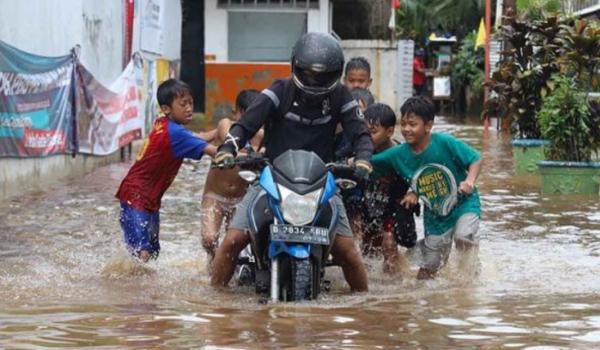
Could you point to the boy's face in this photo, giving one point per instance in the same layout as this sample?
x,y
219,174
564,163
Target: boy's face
x,y
414,129
181,109
357,78
380,134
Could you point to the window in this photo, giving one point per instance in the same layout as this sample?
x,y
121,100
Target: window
x,y
269,4
259,36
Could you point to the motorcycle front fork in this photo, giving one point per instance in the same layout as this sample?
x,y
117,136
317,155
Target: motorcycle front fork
x,y
275,276
275,280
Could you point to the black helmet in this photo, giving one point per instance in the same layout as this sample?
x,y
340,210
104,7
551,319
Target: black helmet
x,y
317,63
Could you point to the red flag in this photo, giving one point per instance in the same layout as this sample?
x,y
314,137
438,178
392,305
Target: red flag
x,y
395,4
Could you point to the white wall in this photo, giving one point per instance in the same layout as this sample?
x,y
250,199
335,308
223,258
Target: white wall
x,y
382,56
215,31
170,29
319,20
52,28
216,34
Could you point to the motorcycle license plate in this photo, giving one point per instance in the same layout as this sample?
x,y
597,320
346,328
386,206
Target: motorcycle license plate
x,y
300,234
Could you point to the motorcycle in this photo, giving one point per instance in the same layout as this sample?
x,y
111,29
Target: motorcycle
x,y
292,222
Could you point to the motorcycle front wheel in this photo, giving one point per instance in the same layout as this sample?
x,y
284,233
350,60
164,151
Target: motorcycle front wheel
x,y
297,277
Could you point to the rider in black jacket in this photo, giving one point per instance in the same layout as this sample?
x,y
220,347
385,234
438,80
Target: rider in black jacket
x,y
300,112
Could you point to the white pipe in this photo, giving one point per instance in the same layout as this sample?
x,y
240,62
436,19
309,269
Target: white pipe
x,y
499,7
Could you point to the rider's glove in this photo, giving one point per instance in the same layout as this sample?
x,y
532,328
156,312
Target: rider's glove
x,y
224,159
362,168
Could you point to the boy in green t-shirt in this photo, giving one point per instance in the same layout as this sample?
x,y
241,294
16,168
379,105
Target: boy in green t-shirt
x,y
442,171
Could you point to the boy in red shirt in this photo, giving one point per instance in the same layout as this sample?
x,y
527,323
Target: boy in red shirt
x,y
419,79
155,169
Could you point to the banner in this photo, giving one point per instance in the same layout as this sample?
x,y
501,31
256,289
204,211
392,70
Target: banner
x,y
108,118
36,109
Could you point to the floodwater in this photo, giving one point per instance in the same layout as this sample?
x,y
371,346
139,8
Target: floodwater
x,y
66,281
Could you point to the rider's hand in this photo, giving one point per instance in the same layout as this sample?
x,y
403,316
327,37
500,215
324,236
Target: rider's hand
x,y
362,168
224,159
410,200
466,187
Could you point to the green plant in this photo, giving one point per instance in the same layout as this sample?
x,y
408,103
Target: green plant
x,y
580,52
538,9
467,66
521,80
416,19
564,119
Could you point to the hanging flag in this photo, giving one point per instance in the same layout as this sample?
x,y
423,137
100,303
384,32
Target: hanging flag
x,y
395,4
480,35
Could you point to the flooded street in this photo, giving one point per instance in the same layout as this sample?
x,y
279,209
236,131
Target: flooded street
x,y
67,282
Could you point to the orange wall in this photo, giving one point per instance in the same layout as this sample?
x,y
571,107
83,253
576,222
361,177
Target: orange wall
x,y
225,80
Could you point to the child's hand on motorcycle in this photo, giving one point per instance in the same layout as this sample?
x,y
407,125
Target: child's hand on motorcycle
x,y
224,160
410,200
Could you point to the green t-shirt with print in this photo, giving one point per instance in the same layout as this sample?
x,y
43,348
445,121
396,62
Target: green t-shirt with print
x,y
444,154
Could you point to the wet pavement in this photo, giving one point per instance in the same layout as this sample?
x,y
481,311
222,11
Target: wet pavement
x,y
67,282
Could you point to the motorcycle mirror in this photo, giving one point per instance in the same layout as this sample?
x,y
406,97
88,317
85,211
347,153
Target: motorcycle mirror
x,y
247,175
345,184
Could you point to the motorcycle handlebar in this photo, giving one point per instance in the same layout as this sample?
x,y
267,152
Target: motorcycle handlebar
x,y
343,171
250,161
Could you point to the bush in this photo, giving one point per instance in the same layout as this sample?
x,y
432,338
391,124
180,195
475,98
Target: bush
x,y
565,120
521,81
467,66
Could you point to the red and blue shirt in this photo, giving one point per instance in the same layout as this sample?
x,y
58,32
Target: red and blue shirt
x,y
158,163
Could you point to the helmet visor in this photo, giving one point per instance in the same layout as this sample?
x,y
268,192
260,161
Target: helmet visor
x,y
311,78
316,82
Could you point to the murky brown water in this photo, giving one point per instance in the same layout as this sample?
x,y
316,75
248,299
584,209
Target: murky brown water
x,y
66,282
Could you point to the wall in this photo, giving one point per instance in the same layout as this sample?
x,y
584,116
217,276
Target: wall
x,y
169,34
52,28
215,31
18,176
382,56
216,26
225,79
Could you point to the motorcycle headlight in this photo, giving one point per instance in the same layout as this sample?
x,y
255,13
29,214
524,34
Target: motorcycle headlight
x,y
299,209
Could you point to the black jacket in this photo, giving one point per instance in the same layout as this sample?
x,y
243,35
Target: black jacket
x,y
310,128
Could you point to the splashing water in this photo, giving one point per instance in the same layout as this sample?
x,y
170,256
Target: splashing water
x,y
66,281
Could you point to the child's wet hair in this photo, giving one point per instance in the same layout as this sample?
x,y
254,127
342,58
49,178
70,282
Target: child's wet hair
x,y
420,106
358,63
245,98
380,114
363,94
170,89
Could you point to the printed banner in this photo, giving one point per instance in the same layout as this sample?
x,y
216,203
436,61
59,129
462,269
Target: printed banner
x,y
108,118
36,111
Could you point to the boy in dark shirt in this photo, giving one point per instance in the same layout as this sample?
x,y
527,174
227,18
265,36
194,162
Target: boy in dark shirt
x,y
383,223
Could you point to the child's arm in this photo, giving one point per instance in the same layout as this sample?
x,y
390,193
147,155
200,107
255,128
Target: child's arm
x,y
410,199
257,140
222,130
208,136
467,186
210,150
